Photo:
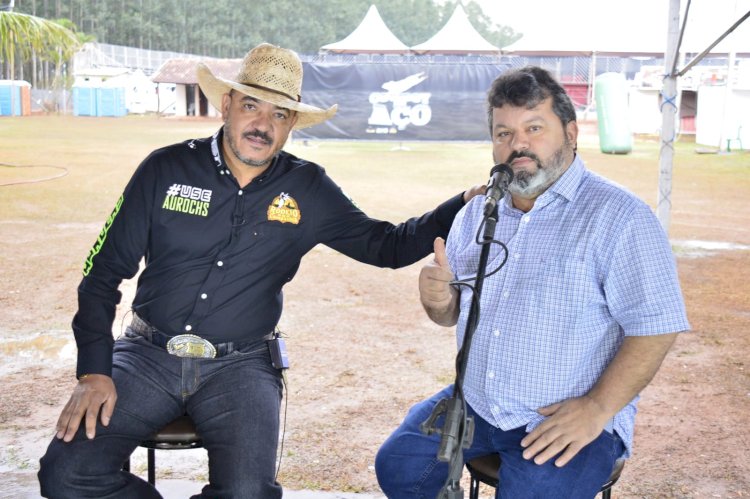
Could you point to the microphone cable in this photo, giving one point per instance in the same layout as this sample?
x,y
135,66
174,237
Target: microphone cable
x,y
285,394
480,242
475,305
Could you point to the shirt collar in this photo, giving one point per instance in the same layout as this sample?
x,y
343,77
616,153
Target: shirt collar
x,y
567,185
216,149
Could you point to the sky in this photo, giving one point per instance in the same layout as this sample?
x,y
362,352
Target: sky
x,y
638,22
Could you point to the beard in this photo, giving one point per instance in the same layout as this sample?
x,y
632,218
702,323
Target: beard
x,y
236,150
530,185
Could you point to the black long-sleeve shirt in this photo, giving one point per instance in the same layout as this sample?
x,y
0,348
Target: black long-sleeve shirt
x,y
217,256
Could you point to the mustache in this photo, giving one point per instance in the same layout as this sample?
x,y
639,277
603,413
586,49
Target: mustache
x,y
259,134
523,154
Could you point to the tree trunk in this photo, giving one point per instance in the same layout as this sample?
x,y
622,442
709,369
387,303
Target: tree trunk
x,y
11,63
33,70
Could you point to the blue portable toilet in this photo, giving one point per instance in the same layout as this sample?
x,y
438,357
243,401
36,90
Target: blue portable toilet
x,y
100,93
16,94
84,101
110,101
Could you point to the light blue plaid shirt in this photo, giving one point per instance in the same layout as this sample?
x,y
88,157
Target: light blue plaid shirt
x,y
588,265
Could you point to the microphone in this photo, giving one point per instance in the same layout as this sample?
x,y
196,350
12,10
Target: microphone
x,y
501,176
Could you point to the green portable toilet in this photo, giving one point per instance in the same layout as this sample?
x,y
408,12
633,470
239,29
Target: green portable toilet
x,y
611,93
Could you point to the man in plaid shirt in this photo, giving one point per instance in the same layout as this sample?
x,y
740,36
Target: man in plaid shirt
x,y
572,327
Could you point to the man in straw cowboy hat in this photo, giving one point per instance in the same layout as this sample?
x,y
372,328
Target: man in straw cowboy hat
x,y
223,223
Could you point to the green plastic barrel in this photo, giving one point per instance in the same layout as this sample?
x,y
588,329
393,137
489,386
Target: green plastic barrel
x,y
611,93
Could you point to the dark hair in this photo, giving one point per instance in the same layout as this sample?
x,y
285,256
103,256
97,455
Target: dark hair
x,y
527,87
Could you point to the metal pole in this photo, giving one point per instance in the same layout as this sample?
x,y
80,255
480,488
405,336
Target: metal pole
x,y
700,56
668,114
724,128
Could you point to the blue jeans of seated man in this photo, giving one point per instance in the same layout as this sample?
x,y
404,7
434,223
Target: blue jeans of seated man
x,y
234,401
407,466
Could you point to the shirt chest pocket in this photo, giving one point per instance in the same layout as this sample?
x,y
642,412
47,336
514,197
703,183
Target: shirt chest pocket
x,y
279,240
272,229
562,288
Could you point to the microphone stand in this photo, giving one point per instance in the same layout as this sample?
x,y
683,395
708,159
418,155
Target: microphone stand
x,y
457,431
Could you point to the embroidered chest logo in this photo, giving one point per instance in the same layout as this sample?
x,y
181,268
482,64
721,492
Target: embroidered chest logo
x,y
284,209
187,199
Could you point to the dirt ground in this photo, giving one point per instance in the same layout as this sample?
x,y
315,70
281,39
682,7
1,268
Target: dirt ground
x,y
362,352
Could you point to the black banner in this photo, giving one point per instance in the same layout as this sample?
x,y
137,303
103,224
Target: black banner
x,y
400,101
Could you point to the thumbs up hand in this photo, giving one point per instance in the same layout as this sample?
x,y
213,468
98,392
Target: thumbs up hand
x,y
439,299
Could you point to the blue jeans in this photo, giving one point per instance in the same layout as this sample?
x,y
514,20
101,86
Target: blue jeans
x,y
407,466
234,401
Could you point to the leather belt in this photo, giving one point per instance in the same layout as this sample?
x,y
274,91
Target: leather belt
x,y
188,345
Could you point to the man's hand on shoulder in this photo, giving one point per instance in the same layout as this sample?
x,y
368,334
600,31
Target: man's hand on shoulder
x,y
92,394
474,191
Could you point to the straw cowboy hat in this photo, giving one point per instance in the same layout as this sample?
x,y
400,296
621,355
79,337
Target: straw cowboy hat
x,y
271,74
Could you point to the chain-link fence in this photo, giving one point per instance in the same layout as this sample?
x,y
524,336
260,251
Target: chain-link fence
x,y
95,55
577,73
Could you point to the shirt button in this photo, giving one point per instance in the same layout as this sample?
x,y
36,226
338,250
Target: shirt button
x,y
495,409
220,263
204,296
496,332
517,256
188,327
506,294
526,219
240,193
491,375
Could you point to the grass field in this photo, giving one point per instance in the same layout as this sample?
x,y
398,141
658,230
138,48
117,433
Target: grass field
x,y
101,153
343,401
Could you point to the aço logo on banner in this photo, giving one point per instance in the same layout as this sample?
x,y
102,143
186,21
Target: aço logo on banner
x,y
397,108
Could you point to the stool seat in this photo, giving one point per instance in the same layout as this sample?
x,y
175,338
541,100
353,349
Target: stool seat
x,y
180,433
485,470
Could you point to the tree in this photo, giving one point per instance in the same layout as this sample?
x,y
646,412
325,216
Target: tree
x,y
497,34
228,28
400,17
62,55
23,35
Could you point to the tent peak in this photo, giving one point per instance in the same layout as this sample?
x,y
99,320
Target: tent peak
x,y
372,36
458,36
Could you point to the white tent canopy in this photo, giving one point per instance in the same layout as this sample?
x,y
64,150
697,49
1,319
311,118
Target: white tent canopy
x,y
458,36
372,36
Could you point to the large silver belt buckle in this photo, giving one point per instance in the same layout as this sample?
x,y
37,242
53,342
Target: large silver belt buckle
x,y
190,345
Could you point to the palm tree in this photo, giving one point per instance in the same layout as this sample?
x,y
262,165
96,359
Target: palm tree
x,y
23,35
